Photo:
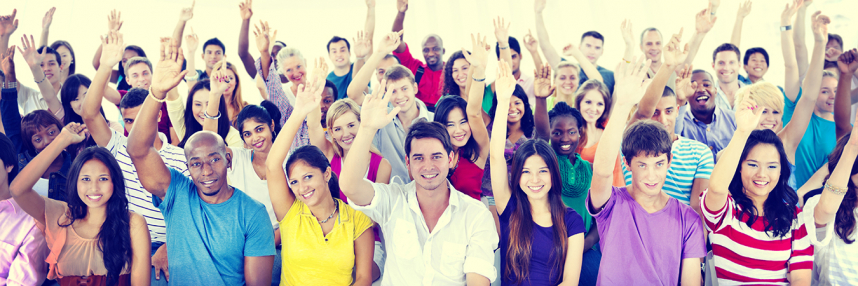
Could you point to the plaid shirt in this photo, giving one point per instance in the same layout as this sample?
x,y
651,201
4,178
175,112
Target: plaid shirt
x,y
283,100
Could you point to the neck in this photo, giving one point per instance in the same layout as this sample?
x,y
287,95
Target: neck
x,y
650,203
656,64
434,200
759,203
260,157
323,209
513,127
223,195
407,116
729,89
57,86
541,206
517,74
823,114
706,117
754,79
436,67
340,71
463,92
96,215
567,98
591,126
208,71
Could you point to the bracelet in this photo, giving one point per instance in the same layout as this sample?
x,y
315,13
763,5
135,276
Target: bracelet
x,y
196,76
13,85
207,116
44,77
786,28
835,190
152,95
359,58
504,48
479,80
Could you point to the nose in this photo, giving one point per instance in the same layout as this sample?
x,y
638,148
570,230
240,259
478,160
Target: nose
x,y
207,169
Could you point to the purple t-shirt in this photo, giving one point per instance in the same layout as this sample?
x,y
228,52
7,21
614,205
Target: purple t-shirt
x,y
542,246
650,247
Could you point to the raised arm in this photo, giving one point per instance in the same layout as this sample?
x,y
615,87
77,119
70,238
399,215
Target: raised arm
x,y
504,86
314,123
22,186
703,23
374,116
46,26
191,44
478,60
794,131
152,172
114,23
186,15
9,113
800,45
551,56
401,7
744,10
629,89
34,60
672,57
365,47
626,30
533,47
837,184
262,43
243,38
359,81
112,49
502,35
847,63
8,25
542,88
792,82
589,69
219,85
748,116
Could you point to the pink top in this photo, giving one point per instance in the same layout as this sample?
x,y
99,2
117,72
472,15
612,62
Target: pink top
x,y
22,247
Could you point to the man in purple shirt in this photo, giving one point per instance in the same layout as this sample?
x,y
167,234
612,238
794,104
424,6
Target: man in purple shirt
x,y
22,260
702,119
656,239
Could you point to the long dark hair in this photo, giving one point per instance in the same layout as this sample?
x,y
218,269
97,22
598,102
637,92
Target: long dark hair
x,y
69,93
191,124
259,114
527,119
448,103
313,156
779,207
844,222
114,237
521,223
450,85
61,43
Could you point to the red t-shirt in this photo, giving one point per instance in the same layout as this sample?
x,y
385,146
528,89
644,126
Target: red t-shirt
x,y
429,88
163,126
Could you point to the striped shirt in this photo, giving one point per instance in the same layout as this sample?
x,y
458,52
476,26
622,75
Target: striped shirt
x,y
690,160
283,99
749,255
140,200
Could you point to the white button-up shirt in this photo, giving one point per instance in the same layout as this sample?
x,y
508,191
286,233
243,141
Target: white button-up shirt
x,y
463,241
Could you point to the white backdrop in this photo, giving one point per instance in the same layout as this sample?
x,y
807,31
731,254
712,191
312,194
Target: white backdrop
x,y
308,25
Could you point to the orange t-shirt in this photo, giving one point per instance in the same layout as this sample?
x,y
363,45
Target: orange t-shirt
x,y
588,153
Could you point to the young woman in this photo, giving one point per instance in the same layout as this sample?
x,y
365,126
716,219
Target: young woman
x,y
189,119
93,238
67,58
325,241
567,81
594,102
31,135
756,231
456,72
72,95
542,240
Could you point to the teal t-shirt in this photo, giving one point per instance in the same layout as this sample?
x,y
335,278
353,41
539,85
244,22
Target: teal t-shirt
x,y
208,242
342,82
817,143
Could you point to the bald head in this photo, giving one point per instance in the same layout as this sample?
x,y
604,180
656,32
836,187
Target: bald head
x,y
433,51
207,140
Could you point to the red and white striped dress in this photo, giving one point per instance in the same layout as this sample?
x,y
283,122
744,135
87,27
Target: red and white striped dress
x,y
748,255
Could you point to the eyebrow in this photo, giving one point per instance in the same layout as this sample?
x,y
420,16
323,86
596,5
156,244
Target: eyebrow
x,y
770,162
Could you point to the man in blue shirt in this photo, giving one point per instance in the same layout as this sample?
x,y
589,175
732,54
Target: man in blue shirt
x,y
703,120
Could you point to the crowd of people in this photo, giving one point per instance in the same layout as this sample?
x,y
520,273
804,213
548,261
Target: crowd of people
x,y
653,173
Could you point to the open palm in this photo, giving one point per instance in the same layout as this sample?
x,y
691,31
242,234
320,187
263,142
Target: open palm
x,y
748,115
479,56
168,73
8,23
112,49
31,56
542,87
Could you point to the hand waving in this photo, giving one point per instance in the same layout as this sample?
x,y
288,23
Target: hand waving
x,y
75,132
112,49
308,97
630,85
262,37
168,73
505,82
374,114
402,6
31,56
748,115
684,86
49,17
390,42
538,6
479,57
7,64
819,24
530,42
501,30
192,42
673,55
187,13
704,21
626,29
847,62
542,86
789,11
114,21
363,44
8,24
570,50
320,71
246,11
744,9
219,78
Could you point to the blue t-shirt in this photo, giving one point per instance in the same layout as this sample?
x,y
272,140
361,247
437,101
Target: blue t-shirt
x,y
542,247
342,82
208,242
818,141
607,78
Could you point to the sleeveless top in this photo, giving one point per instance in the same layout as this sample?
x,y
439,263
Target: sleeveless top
x,y
371,173
467,177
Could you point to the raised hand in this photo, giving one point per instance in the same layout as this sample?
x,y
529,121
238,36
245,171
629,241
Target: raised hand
x,y
192,42
246,11
714,3
402,6
570,50
542,86
362,44
370,4
744,9
114,21
673,55
501,30
479,57
374,113
168,73
538,6
819,25
389,43
704,21
630,85
806,3
219,78
626,29
530,42
505,82
847,62
748,115
7,64
49,17
74,132
789,11
262,37
308,97
187,13
31,56
8,24
320,71
684,86
112,49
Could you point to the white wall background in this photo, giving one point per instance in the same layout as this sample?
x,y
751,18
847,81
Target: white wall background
x,y
308,25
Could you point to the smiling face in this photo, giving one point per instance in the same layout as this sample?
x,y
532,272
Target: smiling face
x,y
591,48
592,106
44,136
94,184
309,184
727,66
535,178
703,100
257,135
77,103
757,66
651,46
564,135
458,127
383,66
344,129
428,163
339,54
328,98
460,72
760,171
516,110
666,112
200,102
293,68
772,119
65,57
403,92
825,101
432,51
51,67
139,75
567,80
649,172
208,162
212,54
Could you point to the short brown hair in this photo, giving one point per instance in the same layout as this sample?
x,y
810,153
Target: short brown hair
x,y
32,122
137,60
397,72
646,137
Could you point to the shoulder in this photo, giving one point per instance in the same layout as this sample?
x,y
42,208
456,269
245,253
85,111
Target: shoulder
x,y
574,222
686,144
136,221
685,211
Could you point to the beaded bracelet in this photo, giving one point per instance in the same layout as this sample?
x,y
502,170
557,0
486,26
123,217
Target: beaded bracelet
x,y
157,99
835,190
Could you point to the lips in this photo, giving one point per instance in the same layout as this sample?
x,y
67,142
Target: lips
x,y
347,141
296,78
566,147
460,137
258,145
429,176
536,189
208,184
651,186
94,198
308,194
760,184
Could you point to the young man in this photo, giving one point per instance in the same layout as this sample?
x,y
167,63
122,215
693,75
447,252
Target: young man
x,y
139,200
138,73
702,119
427,75
220,234
664,236
525,80
435,234
379,62
25,249
726,63
339,51
213,52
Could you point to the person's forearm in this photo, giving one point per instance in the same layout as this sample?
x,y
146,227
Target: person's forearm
x,y
11,117
178,31
369,24
791,66
4,44
356,88
96,60
551,54
505,53
142,137
537,60
813,81
281,146
47,91
265,64
243,48
540,119
398,26
814,182
191,67
829,202
588,67
91,111
724,170
693,48
737,31
43,38
31,173
212,109
842,105
646,107
799,43
316,131
357,161
606,154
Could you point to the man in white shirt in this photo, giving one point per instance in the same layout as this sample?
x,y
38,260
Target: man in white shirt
x,y
434,235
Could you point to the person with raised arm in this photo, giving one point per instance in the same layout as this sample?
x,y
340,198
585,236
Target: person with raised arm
x,y
241,250
509,50
65,50
758,234
233,98
590,50
246,11
756,60
423,247
93,237
691,161
427,73
641,220
702,119
44,62
379,62
339,51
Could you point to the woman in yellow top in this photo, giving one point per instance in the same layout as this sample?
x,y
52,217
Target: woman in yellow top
x,y
324,241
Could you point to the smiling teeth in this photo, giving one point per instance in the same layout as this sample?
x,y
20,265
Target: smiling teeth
x,y
430,176
536,188
94,198
761,183
705,97
566,147
310,194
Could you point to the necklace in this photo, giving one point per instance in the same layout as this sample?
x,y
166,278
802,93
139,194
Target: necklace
x,y
336,208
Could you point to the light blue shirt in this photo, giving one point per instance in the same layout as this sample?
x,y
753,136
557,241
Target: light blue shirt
x,y
390,141
716,134
818,141
721,97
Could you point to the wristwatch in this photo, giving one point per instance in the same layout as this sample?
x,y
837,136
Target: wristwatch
x,y
786,28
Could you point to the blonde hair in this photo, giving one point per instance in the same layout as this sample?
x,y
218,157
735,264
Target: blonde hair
x,y
565,64
237,103
338,109
764,93
827,73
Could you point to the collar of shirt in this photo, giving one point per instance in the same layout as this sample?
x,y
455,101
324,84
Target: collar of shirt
x,y
421,109
453,202
721,97
10,202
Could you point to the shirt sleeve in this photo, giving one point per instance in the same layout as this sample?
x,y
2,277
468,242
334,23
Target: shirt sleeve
x,y
233,138
407,60
574,223
802,249
29,267
176,112
178,183
822,235
716,216
259,236
382,202
705,164
361,223
483,240
606,209
11,117
116,142
693,242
